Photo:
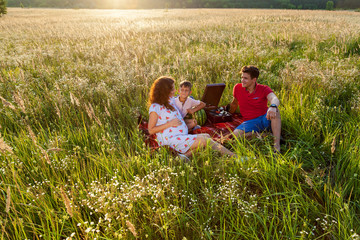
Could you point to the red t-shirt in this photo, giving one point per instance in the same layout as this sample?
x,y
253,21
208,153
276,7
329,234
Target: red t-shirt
x,y
252,105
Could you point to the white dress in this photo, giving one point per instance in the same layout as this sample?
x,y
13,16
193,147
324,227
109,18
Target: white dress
x,y
175,137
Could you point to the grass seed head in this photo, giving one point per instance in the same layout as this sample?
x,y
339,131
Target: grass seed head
x,y
107,112
333,146
45,155
131,228
32,135
57,110
88,111
74,100
6,103
66,202
19,101
55,150
4,147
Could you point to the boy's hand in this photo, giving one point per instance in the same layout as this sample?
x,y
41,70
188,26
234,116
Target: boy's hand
x,y
190,111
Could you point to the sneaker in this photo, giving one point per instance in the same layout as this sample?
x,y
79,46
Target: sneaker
x,y
276,151
183,158
240,159
196,127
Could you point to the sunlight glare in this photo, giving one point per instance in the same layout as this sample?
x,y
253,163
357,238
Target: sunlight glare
x,y
119,4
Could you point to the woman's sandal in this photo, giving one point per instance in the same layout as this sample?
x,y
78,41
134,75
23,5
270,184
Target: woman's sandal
x,y
184,158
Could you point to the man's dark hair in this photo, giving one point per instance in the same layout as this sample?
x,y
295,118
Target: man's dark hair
x,y
252,70
186,84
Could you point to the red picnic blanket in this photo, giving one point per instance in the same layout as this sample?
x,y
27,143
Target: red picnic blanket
x,y
215,130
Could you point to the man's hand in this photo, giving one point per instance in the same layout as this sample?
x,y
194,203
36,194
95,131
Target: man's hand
x,y
271,113
233,105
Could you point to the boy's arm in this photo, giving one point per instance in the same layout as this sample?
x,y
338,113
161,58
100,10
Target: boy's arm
x,y
197,108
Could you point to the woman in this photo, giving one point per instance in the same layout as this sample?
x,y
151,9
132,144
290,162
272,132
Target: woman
x,y
166,121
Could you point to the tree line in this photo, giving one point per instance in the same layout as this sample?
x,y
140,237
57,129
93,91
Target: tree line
x,y
131,4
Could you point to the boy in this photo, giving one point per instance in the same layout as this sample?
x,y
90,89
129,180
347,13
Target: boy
x,y
188,105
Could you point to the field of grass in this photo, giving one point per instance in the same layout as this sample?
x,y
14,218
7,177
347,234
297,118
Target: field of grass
x,y
73,164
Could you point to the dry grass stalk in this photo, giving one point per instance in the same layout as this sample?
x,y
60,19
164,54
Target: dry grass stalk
x,y
8,200
107,141
58,93
66,202
55,150
97,120
4,147
337,194
22,75
88,111
93,113
74,100
77,102
57,110
11,77
309,181
58,90
45,155
32,135
131,228
19,101
107,112
258,135
333,146
91,109
6,103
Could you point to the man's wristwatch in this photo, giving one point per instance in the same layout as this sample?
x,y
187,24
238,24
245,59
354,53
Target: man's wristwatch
x,y
274,106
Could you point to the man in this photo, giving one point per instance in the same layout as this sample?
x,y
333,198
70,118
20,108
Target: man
x,y
252,99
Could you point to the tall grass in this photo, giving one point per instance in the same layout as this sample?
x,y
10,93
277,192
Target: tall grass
x,y
73,164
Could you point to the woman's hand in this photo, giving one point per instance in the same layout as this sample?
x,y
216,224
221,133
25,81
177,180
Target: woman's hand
x,y
153,118
174,122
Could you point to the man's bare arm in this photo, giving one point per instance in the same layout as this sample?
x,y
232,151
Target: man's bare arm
x,y
233,105
272,98
272,112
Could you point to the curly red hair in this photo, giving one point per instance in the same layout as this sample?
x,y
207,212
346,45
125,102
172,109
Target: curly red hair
x,y
160,92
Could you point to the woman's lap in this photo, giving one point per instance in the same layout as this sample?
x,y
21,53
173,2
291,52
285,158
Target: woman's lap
x,y
182,143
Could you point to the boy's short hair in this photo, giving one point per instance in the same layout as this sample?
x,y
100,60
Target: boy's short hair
x,y
252,70
186,84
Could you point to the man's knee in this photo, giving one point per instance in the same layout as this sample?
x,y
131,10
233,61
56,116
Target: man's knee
x,y
239,132
277,118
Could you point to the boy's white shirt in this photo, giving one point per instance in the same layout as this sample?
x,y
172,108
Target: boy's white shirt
x,y
189,103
